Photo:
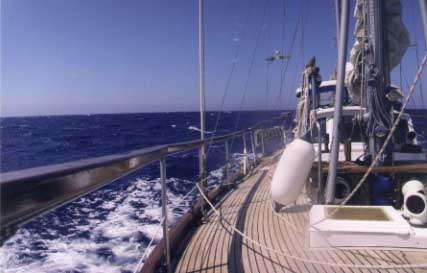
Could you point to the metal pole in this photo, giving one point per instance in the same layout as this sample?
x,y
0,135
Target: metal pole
x,y
284,136
202,153
165,214
342,53
319,163
381,47
337,19
245,155
227,160
423,9
251,133
314,93
262,142
337,25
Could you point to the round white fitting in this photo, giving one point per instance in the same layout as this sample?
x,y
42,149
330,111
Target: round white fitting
x,y
414,202
342,189
415,207
412,186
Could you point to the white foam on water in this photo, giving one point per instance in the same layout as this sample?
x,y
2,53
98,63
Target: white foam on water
x,y
114,221
153,231
117,235
154,213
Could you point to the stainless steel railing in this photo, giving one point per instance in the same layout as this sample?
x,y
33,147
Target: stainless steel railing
x,y
26,194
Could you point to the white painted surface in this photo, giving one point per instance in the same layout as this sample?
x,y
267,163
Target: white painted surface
x,y
363,233
357,150
346,111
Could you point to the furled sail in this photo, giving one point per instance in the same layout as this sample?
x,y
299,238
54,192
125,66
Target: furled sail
x,y
397,39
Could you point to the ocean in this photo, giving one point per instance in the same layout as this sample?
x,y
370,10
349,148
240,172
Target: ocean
x,y
108,230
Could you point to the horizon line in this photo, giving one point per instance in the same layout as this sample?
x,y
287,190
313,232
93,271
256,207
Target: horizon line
x,y
148,112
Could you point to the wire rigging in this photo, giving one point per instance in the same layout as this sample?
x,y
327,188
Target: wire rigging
x,y
403,76
417,57
291,48
267,78
230,76
268,51
283,38
251,65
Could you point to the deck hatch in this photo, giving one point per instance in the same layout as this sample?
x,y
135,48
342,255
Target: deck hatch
x,y
357,213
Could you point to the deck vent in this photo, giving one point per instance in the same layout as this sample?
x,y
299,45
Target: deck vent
x,y
415,204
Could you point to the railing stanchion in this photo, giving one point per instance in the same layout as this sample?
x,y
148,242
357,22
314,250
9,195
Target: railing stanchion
x,y
165,214
245,155
319,164
262,143
227,160
251,133
284,136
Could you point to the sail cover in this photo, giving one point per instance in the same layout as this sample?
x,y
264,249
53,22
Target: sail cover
x,y
397,39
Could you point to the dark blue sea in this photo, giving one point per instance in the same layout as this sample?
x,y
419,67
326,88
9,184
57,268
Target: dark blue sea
x,y
108,230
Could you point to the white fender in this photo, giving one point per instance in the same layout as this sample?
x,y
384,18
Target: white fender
x,y
292,171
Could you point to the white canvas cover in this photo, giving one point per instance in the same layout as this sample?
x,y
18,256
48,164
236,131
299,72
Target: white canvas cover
x,y
397,42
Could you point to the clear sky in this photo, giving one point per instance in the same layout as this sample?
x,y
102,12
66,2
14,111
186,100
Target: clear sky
x,y
108,56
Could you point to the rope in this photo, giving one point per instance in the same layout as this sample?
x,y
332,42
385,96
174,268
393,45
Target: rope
x,y
290,256
406,102
389,136
138,267
144,255
387,140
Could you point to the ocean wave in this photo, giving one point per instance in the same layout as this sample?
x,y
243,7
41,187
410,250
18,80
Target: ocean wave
x,y
114,243
103,232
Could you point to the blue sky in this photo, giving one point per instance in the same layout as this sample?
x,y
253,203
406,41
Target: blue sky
x,y
112,56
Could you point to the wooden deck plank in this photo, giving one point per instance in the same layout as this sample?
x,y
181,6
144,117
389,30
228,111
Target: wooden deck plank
x,y
259,232
215,247
270,238
230,247
221,247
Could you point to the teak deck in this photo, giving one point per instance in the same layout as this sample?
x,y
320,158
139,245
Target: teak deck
x,y
214,247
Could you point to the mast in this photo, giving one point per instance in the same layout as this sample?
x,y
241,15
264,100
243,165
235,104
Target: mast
x,y
423,10
342,52
337,19
378,78
202,152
